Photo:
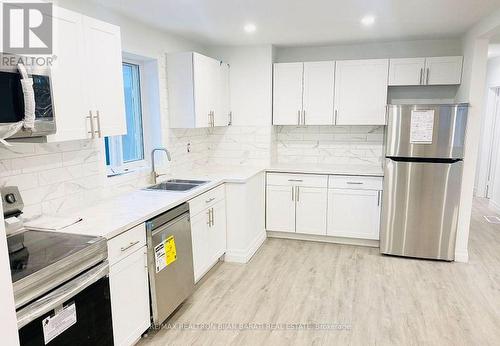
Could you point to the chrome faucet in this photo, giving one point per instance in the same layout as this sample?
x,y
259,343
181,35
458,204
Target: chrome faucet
x,y
156,175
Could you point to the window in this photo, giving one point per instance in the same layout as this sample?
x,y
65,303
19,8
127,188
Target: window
x,y
125,151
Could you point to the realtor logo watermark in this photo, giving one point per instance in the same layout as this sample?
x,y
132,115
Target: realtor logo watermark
x,y
27,28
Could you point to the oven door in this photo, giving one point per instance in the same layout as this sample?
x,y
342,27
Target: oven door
x,y
12,103
77,313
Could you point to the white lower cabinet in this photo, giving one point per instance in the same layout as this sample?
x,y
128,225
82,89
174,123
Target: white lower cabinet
x,y
128,281
354,213
310,215
296,203
354,205
280,214
208,230
337,206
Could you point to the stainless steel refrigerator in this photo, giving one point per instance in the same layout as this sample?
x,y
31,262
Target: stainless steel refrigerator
x,y
423,175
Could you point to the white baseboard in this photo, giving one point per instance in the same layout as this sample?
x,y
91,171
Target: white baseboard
x,y
462,256
323,238
243,256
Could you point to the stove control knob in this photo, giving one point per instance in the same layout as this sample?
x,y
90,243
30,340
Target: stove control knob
x,y
10,198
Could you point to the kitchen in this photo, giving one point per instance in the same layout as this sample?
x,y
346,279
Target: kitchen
x,y
270,146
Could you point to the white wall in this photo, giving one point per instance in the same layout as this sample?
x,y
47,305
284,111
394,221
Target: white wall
x,y
475,52
395,49
492,81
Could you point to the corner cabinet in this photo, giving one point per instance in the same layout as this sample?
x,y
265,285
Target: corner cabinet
x,y
303,93
208,230
87,78
296,203
445,70
361,92
354,206
198,91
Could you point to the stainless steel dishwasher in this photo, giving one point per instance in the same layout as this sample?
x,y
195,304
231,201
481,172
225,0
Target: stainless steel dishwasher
x,y
170,261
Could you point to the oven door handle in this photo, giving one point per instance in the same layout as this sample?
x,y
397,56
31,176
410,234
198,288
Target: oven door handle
x,y
60,295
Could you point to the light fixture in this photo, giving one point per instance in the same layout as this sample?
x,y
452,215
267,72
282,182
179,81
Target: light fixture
x,y
368,20
249,28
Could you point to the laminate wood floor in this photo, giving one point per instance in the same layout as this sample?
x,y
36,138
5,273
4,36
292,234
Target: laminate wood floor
x,y
365,298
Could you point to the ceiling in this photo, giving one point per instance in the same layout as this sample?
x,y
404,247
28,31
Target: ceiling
x,y
306,22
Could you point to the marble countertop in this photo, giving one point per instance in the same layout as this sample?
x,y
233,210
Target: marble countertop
x,y
364,170
114,216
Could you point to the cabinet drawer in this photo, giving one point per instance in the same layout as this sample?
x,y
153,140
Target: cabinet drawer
x,y
354,182
206,200
126,243
309,180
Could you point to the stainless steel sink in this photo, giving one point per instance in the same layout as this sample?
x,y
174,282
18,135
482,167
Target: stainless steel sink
x,y
177,185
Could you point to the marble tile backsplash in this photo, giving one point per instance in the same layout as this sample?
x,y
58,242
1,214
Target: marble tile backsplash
x,y
329,144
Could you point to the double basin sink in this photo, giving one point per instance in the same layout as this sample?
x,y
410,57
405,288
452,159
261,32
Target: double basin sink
x,y
177,185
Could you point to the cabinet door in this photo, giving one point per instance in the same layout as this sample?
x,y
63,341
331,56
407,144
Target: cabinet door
x,y
361,92
71,99
318,93
287,93
217,232
406,71
280,208
311,210
105,75
354,213
128,281
199,238
206,83
223,109
443,70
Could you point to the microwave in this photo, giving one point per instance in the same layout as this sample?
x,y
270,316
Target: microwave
x,y
12,102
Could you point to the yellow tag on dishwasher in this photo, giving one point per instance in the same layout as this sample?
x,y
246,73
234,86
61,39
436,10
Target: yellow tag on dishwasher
x,y
170,250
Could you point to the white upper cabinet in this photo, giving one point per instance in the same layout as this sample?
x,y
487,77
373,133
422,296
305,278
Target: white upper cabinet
x,y
287,93
406,71
303,93
198,91
105,76
426,71
443,70
361,92
68,83
87,80
318,93
223,113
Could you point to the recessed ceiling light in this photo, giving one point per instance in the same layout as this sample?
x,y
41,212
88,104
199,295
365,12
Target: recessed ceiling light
x,y
368,20
249,28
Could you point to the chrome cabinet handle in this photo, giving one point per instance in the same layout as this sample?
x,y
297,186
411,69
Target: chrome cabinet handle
x,y
303,117
335,118
379,194
297,180
91,119
209,222
293,188
230,122
298,117
210,200
297,193
427,78
98,117
421,75
129,245
213,217
354,183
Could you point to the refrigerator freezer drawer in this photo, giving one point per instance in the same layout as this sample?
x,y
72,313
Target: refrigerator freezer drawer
x,y
448,131
420,209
